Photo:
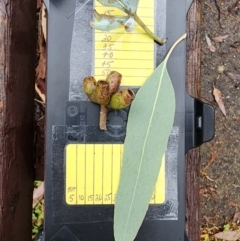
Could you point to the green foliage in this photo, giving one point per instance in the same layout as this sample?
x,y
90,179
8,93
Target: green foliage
x,y
113,3
150,122
37,215
106,22
226,227
130,5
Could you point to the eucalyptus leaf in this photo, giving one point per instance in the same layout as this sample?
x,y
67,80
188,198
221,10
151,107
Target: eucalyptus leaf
x,y
112,3
106,22
149,125
104,25
130,5
120,19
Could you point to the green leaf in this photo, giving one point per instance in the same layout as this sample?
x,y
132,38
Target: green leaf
x,y
149,125
104,25
106,22
113,3
130,5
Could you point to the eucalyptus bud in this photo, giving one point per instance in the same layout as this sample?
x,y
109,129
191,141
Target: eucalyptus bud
x,y
114,79
121,99
89,85
101,92
104,93
129,25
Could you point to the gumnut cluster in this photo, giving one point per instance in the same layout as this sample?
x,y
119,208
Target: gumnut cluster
x,y
106,93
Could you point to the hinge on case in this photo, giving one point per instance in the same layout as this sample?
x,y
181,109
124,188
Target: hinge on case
x,y
199,122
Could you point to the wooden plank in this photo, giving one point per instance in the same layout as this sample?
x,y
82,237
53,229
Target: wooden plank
x,y
193,88
17,72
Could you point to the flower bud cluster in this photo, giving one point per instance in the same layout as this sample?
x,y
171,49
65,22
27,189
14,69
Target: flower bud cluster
x,y
106,93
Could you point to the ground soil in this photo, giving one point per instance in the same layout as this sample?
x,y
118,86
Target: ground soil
x,y
220,162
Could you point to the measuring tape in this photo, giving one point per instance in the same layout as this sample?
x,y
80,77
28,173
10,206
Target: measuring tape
x,y
93,170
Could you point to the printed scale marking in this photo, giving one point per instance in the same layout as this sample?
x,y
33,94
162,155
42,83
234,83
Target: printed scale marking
x,y
93,171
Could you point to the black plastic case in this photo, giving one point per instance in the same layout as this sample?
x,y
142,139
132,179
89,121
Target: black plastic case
x,y
73,119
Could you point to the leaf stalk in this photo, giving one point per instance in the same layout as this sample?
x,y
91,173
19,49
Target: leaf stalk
x,y
148,31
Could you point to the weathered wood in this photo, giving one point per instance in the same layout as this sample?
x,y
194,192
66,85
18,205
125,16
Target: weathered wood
x,y
193,88
17,64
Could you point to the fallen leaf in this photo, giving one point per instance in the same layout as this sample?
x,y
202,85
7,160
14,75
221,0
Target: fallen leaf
x,y
233,204
218,98
234,77
207,192
228,235
236,217
41,68
209,43
42,96
41,49
203,191
38,194
44,22
219,39
39,3
41,86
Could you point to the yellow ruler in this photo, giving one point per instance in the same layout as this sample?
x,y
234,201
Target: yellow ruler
x,y
131,54
93,170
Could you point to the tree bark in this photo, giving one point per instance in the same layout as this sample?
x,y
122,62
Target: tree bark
x,y
193,88
17,73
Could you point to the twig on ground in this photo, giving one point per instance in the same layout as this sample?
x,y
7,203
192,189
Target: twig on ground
x,y
233,6
41,102
209,101
214,154
218,8
42,96
226,14
210,7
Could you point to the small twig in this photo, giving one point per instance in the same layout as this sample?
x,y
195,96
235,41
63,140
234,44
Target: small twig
x,y
233,6
211,160
236,19
41,102
148,31
226,14
217,78
210,7
214,155
39,119
42,96
103,117
218,8
209,101
38,194
206,176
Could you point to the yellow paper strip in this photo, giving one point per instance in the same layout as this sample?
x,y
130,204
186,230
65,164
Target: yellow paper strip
x,y
131,54
93,172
